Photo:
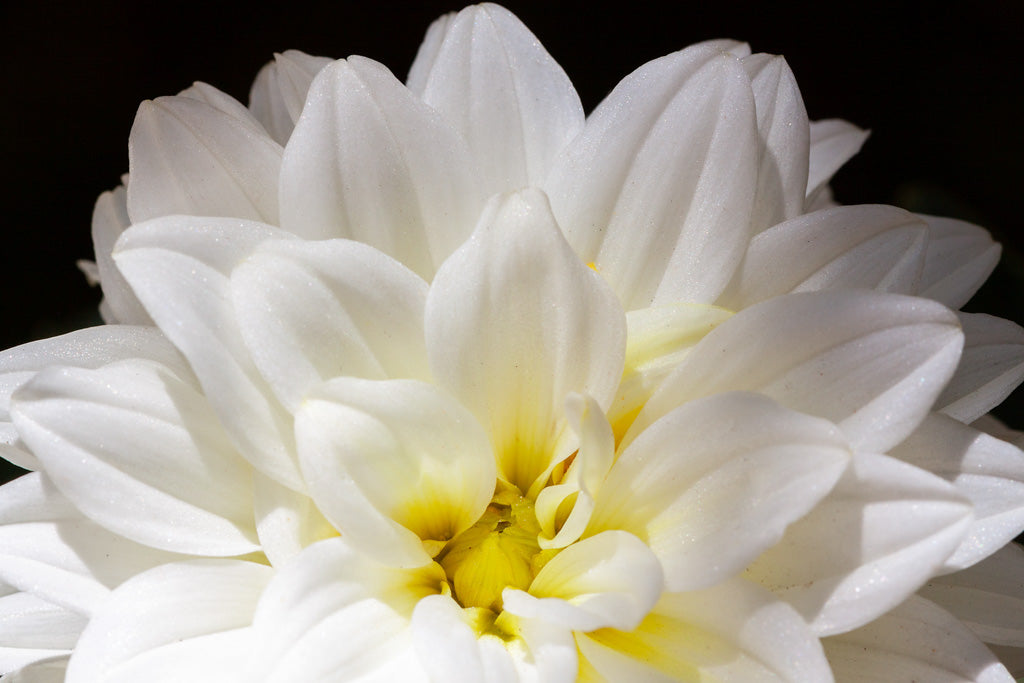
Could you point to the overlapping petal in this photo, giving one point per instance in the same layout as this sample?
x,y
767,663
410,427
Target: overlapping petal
x,y
188,157
392,174
609,580
847,562
960,258
514,323
986,470
987,597
833,143
398,466
50,550
785,141
991,366
916,641
279,91
716,481
733,632
139,451
32,630
360,315
88,348
667,218
872,363
492,80
329,594
181,621
179,267
846,247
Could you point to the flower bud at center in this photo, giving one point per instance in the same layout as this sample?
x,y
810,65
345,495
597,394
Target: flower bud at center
x,y
498,551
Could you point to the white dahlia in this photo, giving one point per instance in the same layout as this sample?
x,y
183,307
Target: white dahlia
x,y
444,381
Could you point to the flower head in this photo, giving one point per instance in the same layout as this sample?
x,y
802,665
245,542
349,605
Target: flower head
x,y
444,381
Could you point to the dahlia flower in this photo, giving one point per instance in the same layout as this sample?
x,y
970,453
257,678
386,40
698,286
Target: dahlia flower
x,y
446,381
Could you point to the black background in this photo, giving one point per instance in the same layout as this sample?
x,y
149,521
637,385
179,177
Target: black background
x,y
940,88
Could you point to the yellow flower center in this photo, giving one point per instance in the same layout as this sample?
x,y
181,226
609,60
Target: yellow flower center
x,y
499,551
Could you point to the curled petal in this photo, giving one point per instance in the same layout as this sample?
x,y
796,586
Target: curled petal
x,y
394,464
608,580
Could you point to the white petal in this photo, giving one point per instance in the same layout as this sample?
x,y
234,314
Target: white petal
x,y
848,247
268,107
449,649
188,157
659,187
91,347
280,89
394,463
991,367
717,481
295,71
494,82
514,323
986,470
427,53
988,597
785,141
286,521
847,562
220,100
332,614
139,451
608,580
734,632
45,671
15,455
833,143
917,641
32,629
177,620
392,174
658,338
109,220
310,311
960,258
49,549
872,363
179,268
87,348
